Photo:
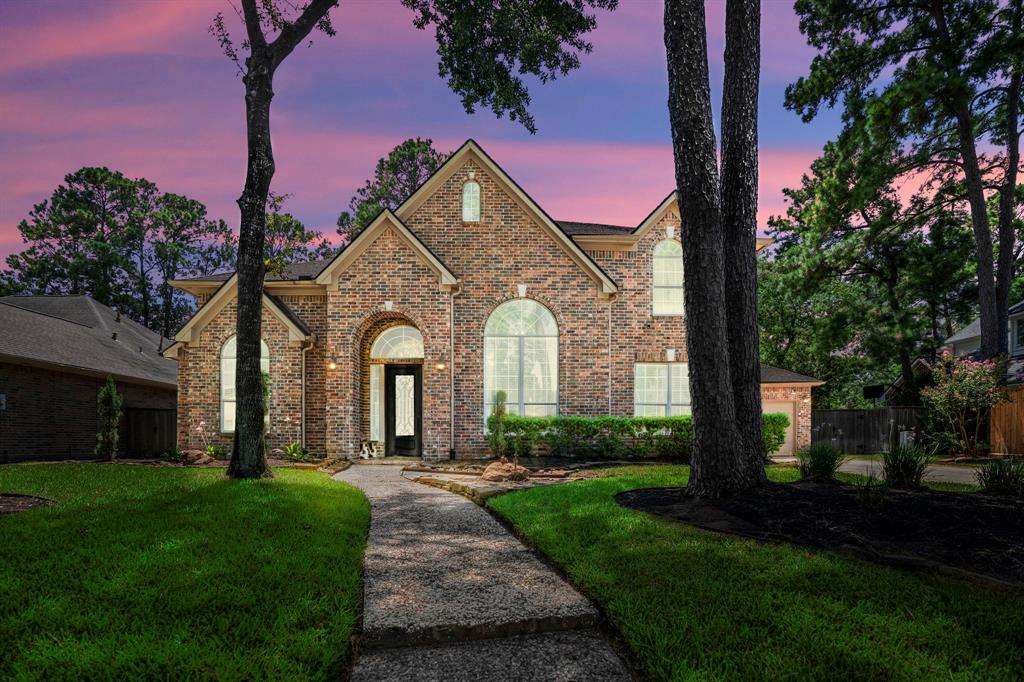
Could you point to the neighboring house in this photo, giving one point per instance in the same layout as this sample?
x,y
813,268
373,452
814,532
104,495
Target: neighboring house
x,y
968,341
466,289
55,353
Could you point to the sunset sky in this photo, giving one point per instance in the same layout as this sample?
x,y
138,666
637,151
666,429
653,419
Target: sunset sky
x,y
140,86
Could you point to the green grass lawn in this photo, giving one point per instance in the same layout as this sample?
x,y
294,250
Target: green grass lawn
x,y
695,605
166,573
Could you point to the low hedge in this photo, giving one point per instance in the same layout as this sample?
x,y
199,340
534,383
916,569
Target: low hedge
x,y
612,437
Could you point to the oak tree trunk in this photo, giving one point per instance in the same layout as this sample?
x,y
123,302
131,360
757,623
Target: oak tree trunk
x,y
739,221
719,463
248,458
1006,233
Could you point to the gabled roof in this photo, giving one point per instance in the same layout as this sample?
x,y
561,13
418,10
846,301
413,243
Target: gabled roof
x,y
298,332
777,375
289,272
78,334
471,150
355,248
573,228
973,330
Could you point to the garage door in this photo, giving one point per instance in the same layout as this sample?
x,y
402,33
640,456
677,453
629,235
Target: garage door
x,y
788,408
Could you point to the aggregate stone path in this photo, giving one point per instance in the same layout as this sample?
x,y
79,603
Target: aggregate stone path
x,y
450,594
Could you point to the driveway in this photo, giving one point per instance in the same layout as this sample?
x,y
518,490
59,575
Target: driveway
x,y
942,473
450,594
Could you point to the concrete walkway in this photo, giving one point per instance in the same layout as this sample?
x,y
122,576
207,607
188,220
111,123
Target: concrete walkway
x,y
942,473
450,594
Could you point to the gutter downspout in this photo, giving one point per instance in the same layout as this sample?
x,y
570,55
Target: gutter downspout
x,y
610,302
302,409
451,369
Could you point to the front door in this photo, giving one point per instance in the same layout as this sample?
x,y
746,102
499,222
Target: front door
x,y
403,410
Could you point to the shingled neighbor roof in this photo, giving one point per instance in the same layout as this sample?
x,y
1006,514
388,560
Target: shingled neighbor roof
x,y
573,228
777,375
77,333
292,271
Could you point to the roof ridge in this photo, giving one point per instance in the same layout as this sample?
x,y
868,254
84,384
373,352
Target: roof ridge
x,y
37,312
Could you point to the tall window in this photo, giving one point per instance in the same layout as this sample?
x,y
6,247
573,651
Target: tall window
x,y
521,358
661,389
668,278
228,360
1020,334
471,202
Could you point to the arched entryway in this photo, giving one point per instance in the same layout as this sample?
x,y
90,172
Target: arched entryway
x,y
395,396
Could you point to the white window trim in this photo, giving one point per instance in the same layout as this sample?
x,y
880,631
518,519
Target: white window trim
x,y
466,186
654,287
520,389
264,353
1018,328
669,403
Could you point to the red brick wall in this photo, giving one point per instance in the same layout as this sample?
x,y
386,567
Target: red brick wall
x,y
52,414
199,380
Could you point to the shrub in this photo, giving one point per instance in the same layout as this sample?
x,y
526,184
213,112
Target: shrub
x,y
496,425
109,405
773,429
218,451
962,398
294,452
609,437
871,493
171,454
904,466
1002,477
820,461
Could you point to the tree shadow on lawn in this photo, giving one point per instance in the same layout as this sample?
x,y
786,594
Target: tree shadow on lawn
x,y
688,602
200,577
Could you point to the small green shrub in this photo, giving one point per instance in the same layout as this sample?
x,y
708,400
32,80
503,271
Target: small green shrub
x,y
773,432
109,404
496,425
871,493
903,467
171,454
1002,477
820,461
609,437
218,452
294,452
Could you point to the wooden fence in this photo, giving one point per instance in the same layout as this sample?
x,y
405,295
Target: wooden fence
x,y
865,431
149,432
1008,424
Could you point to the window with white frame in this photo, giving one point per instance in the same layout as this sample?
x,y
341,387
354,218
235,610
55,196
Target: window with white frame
x,y
471,202
521,359
667,292
1019,337
661,389
228,362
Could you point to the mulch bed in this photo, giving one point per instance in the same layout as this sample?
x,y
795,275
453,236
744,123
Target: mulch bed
x,y
968,534
11,503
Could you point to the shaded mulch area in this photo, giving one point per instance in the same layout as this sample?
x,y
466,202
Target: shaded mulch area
x,y
970,534
11,503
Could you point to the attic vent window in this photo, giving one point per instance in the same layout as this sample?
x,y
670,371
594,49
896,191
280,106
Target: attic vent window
x,y
471,202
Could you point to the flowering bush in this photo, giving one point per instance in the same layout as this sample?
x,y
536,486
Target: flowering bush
x,y
962,397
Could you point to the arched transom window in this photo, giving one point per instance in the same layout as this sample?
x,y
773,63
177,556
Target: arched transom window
x,y
228,361
667,291
398,342
471,202
521,359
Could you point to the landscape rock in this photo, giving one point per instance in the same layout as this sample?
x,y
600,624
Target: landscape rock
x,y
204,459
505,471
192,456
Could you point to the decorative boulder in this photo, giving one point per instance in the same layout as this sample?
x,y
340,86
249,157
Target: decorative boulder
x,y
192,456
505,471
205,459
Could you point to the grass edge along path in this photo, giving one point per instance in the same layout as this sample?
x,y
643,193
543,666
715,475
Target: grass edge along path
x,y
696,605
154,572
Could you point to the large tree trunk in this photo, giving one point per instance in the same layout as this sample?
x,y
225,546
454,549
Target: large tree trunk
x,y
248,459
739,220
719,466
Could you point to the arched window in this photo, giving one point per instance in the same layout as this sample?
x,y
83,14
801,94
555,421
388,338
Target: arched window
x,y
668,278
471,202
521,358
398,342
228,360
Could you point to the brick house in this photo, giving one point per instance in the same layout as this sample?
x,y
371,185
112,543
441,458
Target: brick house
x,y
55,354
467,288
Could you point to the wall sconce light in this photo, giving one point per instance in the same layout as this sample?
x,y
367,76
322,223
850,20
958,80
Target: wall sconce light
x,y
440,365
332,364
